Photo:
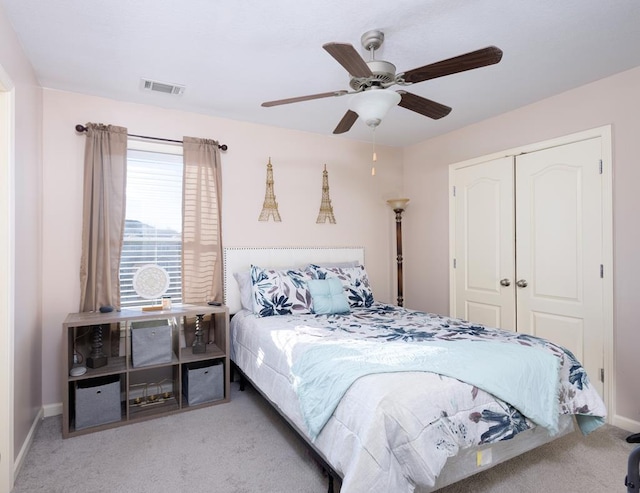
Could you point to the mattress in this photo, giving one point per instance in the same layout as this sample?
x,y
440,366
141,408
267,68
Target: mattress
x,y
396,431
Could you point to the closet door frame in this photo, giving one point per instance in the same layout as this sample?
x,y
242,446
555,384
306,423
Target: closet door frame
x,y
7,281
604,134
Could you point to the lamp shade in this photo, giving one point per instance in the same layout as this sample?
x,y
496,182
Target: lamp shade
x,y
398,203
372,105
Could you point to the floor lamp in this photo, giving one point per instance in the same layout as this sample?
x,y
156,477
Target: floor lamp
x,y
398,206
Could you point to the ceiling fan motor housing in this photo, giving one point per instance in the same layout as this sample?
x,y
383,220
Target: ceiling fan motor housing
x,y
372,40
384,75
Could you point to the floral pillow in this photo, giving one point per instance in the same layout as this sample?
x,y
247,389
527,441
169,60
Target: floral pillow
x,y
280,292
354,282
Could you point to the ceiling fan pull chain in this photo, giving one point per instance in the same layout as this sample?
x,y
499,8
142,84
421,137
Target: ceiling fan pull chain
x,y
375,156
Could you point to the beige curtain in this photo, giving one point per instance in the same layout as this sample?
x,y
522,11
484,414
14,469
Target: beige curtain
x,y
105,177
201,232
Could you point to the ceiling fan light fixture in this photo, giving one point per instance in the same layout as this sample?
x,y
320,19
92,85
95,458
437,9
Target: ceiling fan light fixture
x,y
373,104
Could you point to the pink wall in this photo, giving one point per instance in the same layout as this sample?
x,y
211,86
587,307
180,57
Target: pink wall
x,y
362,216
614,100
27,240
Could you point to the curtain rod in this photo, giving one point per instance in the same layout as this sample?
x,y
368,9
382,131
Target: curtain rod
x,y
82,128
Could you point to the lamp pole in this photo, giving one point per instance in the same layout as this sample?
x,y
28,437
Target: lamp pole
x,y
398,206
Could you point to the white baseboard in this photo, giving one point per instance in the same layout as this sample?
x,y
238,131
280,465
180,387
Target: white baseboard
x,y
52,409
626,424
17,465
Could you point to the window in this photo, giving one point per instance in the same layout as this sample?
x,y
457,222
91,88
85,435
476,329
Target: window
x,y
153,220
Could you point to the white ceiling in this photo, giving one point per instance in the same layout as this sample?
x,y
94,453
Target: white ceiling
x,y
232,55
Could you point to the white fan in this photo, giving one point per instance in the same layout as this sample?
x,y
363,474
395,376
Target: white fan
x,y
151,281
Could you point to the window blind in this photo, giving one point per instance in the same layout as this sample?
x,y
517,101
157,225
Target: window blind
x,y
153,224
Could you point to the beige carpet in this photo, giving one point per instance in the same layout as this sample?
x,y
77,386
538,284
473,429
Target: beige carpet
x,y
572,464
238,447
243,447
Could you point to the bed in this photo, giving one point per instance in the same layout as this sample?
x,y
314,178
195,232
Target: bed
x,y
391,399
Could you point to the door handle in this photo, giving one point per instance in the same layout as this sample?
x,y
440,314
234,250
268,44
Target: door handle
x,y
505,282
522,283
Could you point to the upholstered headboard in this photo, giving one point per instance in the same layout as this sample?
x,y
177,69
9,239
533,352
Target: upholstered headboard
x,y
239,259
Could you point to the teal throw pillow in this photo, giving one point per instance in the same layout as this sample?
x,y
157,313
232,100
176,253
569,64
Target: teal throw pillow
x,y
355,282
328,296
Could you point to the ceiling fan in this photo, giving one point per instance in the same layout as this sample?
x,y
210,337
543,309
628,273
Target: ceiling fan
x,y
376,76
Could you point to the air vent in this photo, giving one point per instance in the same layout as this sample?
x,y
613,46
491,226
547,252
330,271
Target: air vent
x,y
154,85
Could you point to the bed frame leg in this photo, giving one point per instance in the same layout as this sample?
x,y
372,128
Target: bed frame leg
x,y
242,380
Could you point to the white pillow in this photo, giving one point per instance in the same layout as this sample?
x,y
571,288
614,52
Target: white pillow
x,y
244,283
338,265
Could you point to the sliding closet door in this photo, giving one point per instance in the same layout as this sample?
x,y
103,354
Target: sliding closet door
x,y
484,244
559,289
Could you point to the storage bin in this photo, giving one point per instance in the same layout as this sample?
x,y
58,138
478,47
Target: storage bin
x,y
98,401
203,382
151,343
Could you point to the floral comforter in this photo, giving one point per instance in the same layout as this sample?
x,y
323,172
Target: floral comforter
x,y
393,432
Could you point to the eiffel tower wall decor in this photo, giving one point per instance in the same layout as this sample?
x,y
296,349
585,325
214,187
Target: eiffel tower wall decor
x,y
270,206
326,209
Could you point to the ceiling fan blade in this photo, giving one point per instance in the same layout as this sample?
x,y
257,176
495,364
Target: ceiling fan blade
x,y
304,98
346,123
461,63
347,56
423,106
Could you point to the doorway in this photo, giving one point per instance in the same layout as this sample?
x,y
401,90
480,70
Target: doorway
x,y
6,282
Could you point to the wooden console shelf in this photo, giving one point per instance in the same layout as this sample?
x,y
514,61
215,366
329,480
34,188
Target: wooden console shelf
x,y
119,389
